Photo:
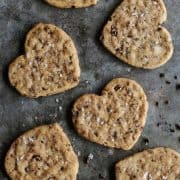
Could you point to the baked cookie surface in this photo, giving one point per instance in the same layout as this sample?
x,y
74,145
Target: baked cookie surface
x,y
114,119
50,64
153,164
71,3
44,153
135,34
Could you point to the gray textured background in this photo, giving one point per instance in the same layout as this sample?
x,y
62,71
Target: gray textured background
x,y
18,114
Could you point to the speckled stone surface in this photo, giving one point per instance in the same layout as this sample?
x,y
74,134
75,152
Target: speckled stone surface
x,y
98,66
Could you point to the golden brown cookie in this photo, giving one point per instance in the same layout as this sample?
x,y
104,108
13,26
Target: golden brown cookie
x,y
50,64
114,119
153,164
43,153
71,3
135,34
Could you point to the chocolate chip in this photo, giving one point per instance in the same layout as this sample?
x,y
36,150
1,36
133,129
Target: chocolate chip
x,y
62,168
116,88
27,169
115,135
37,158
114,31
159,29
157,103
175,77
96,134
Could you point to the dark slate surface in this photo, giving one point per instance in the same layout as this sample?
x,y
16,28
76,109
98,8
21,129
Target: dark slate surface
x,y
98,66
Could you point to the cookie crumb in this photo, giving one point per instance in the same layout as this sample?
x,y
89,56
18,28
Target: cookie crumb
x,y
102,176
166,102
157,103
161,75
177,86
177,126
172,130
57,100
146,141
60,108
79,153
110,152
168,82
128,69
89,158
87,82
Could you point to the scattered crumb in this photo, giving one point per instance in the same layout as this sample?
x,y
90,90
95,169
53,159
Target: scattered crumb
x,y
102,176
110,152
172,130
128,69
177,126
168,82
157,103
177,86
161,75
87,82
53,115
90,158
79,153
57,100
166,102
60,108
146,141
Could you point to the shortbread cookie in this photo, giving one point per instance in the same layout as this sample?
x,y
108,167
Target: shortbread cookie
x,y
71,3
114,119
153,164
134,34
50,64
42,153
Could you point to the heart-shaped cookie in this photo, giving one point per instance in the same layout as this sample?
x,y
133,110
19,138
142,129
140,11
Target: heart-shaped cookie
x,y
134,34
71,3
159,163
114,119
43,153
50,64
